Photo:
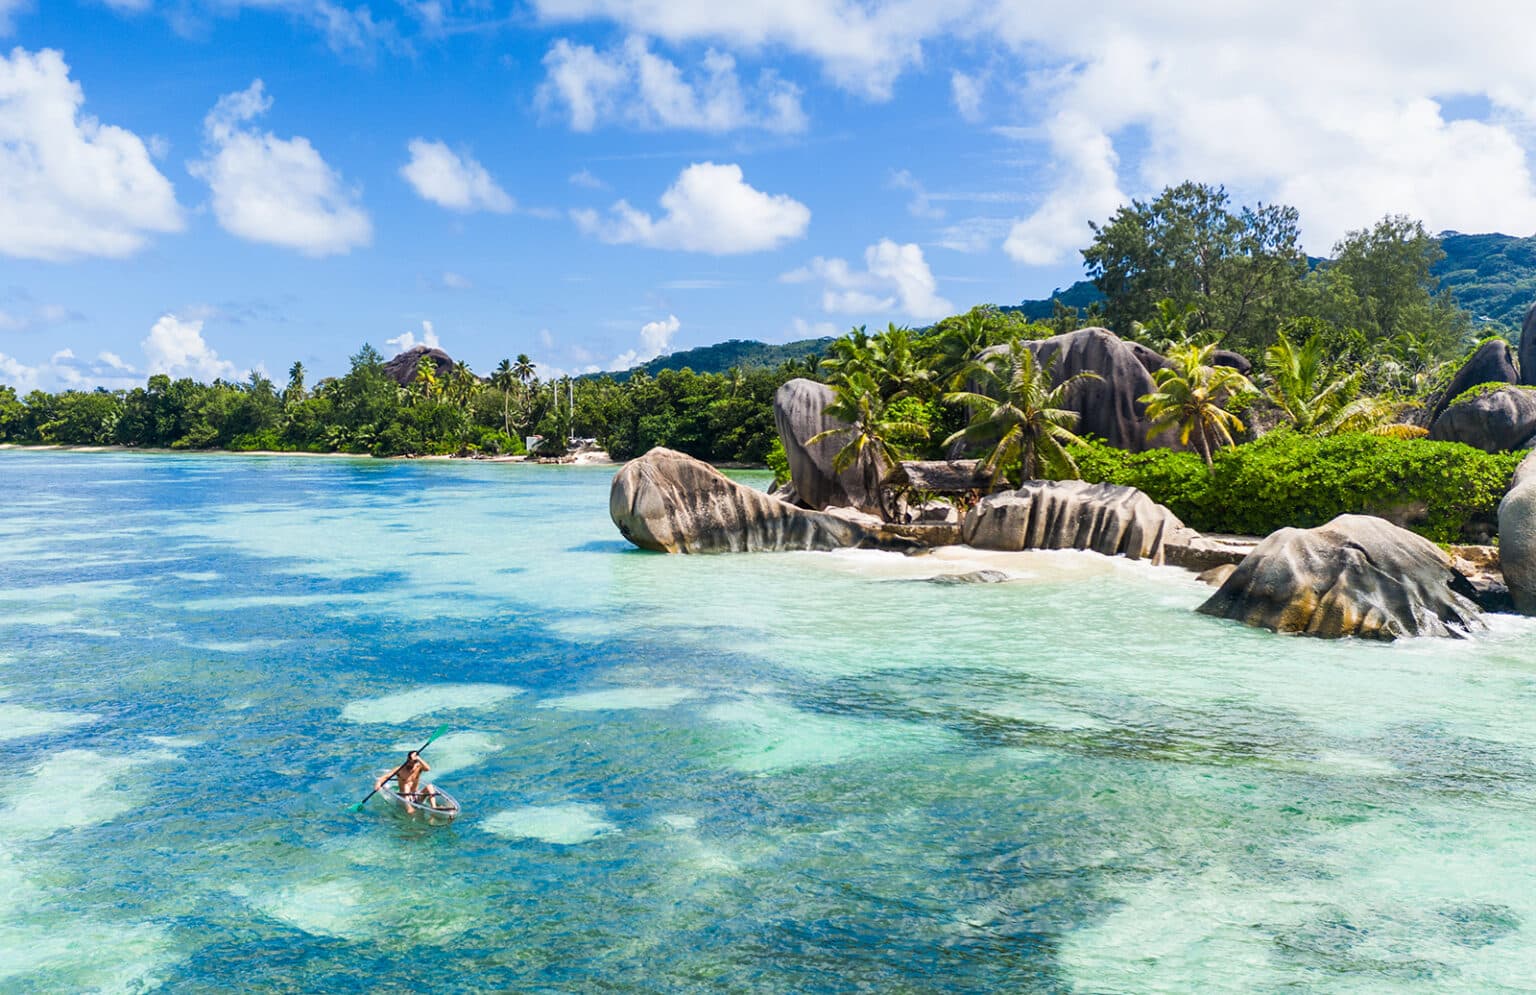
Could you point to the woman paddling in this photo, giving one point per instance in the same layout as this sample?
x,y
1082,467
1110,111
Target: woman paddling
x,y
408,779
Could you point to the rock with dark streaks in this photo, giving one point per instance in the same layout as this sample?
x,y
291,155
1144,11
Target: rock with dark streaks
x,y
1498,421
1073,514
1356,576
672,503
1493,362
799,411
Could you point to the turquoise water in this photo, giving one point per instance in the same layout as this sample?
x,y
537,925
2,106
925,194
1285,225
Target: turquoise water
x,y
798,772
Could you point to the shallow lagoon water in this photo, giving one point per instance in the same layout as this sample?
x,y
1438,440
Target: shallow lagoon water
x,y
797,772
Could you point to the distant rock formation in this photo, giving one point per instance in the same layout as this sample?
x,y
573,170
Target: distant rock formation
x,y
1110,406
1528,348
1517,537
1493,362
1073,514
1499,421
402,369
1356,576
672,503
799,412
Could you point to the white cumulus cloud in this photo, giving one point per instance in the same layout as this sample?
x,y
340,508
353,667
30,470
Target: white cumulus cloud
x,y
655,339
176,347
406,341
275,190
710,208
71,186
450,180
894,277
635,86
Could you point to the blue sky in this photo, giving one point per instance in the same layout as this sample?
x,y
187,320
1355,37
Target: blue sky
x,y
204,187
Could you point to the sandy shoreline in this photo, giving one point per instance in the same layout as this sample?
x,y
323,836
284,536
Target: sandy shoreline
x,y
580,459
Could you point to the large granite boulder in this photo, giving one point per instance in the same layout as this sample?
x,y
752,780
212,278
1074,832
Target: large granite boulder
x,y
799,410
1498,421
1528,348
670,502
1150,359
1232,360
1493,362
1073,514
1356,576
1110,406
1517,537
402,369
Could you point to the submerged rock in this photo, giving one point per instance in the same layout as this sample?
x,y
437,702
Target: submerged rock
x,y
1073,514
1493,362
1356,576
799,411
1499,421
1517,537
973,577
672,503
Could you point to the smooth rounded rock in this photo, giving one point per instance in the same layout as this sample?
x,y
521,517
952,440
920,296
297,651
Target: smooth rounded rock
x,y
1072,514
1499,421
1356,576
799,411
670,502
1517,537
1493,362
1528,348
1108,407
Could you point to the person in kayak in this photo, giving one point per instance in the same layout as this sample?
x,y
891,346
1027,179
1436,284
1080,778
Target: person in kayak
x,y
408,781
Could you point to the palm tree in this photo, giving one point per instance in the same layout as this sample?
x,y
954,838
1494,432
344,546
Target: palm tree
x,y
897,369
463,382
524,368
425,380
504,379
1189,396
872,427
1296,375
295,390
1024,417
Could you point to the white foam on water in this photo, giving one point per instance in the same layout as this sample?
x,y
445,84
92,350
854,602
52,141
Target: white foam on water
x,y
244,602
21,722
772,735
614,699
89,591
75,788
98,633
679,822
196,576
454,751
564,824
45,618
431,699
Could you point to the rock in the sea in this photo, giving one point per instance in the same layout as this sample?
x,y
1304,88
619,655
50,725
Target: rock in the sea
x,y
1501,420
1528,348
1217,575
1356,576
799,410
1493,362
402,369
1517,537
1110,406
672,503
973,577
1073,514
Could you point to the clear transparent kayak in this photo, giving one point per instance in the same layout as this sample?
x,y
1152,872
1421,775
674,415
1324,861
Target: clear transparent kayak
x,y
436,810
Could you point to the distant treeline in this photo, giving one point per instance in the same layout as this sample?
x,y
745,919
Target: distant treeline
x,y
1187,267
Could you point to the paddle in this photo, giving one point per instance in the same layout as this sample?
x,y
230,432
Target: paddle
x,y
435,733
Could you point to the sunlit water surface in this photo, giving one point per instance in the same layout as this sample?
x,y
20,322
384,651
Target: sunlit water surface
x,y
797,772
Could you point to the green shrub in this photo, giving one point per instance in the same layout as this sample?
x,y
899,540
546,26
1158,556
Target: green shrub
x,y
1284,479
